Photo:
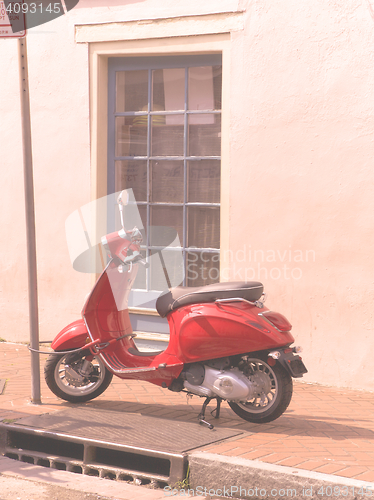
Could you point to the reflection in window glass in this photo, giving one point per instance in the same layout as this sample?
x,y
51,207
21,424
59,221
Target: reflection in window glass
x,y
167,181
202,268
131,91
168,216
131,136
132,174
168,89
201,88
166,269
143,214
140,280
204,87
204,135
204,180
167,138
203,227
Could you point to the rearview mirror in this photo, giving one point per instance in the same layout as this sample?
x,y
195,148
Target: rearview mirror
x,y
123,198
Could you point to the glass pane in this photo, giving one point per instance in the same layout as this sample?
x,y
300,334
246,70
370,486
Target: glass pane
x,y
168,89
202,268
167,135
166,269
167,180
140,280
204,135
203,227
167,216
143,215
204,87
204,181
131,136
132,174
131,91
217,86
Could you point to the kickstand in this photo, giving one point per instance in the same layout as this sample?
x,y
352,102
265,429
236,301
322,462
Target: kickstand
x,y
201,416
217,410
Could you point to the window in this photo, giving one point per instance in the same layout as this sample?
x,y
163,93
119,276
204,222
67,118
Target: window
x,y
165,143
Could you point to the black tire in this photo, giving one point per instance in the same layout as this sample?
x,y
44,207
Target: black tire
x,y
62,375
272,394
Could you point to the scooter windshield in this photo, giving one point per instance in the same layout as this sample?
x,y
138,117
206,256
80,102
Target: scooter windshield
x,y
160,250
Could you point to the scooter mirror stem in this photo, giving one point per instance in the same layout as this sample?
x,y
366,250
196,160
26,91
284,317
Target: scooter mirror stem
x,y
122,200
121,214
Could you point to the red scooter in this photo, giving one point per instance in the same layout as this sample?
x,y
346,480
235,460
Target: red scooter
x,y
224,343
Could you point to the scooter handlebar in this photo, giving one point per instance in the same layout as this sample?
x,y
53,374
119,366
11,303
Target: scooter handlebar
x,y
135,258
140,260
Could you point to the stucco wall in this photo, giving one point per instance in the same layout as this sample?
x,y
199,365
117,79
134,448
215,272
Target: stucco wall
x,y
60,134
301,176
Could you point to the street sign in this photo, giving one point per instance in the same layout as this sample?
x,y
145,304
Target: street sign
x,y
12,15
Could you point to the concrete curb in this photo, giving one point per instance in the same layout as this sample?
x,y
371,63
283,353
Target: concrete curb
x,y
69,482
221,476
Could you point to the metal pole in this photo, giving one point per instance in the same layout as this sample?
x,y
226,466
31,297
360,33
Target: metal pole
x,y
30,221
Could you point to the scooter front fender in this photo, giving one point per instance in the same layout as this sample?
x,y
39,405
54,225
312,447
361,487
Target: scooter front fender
x,y
72,336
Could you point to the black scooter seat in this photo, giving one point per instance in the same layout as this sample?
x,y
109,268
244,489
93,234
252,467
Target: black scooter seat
x,y
182,296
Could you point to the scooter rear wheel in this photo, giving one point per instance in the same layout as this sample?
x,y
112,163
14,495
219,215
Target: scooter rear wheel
x,y
273,392
74,378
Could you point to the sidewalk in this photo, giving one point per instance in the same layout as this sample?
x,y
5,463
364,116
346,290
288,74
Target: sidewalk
x,y
325,430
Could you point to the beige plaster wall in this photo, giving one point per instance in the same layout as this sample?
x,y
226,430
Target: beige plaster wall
x,y
300,163
60,109
302,177
60,134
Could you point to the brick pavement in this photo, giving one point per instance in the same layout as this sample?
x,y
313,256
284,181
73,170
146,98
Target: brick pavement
x,y
324,430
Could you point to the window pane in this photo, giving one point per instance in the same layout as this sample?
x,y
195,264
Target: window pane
x,y
166,269
204,135
131,136
132,174
167,216
140,280
204,87
143,215
202,268
203,227
204,181
167,180
167,135
131,91
168,89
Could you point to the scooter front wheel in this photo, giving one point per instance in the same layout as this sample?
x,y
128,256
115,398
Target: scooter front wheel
x,y
272,391
75,378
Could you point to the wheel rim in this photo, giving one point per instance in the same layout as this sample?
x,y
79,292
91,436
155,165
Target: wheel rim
x,y
265,386
70,381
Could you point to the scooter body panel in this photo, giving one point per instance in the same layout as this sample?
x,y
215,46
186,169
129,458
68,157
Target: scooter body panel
x,y
72,336
209,331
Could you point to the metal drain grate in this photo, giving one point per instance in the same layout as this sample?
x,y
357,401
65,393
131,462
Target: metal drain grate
x,y
110,444
81,456
131,429
89,470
